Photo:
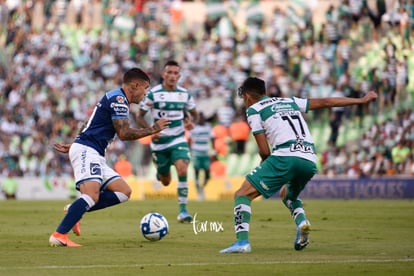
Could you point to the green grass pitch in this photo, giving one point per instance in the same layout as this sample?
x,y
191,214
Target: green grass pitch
x,y
348,237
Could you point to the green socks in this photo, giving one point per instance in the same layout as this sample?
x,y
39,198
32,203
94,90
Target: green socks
x,y
242,214
296,209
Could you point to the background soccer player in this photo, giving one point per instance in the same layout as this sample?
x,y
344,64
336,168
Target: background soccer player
x,y
170,147
201,136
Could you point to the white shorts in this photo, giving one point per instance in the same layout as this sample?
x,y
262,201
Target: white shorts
x,y
89,165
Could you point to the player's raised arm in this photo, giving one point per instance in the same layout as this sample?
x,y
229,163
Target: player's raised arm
x,y
341,101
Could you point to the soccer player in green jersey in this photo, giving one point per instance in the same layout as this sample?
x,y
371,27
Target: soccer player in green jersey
x,y
201,139
290,159
170,147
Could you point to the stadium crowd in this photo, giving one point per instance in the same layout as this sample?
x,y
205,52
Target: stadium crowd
x,y
56,56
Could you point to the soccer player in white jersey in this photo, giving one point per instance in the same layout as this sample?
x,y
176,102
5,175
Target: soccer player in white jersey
x,y
201,139
290,159
100,186
170,147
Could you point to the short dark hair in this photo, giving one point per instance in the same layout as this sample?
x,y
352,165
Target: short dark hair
x,y
171,63
135,74
253,86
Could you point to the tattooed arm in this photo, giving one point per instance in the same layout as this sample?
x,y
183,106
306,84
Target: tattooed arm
x,y
125,132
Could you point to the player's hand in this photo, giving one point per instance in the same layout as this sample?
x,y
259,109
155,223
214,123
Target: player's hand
x,y
62,148
160,125
370,96
188,123
155,137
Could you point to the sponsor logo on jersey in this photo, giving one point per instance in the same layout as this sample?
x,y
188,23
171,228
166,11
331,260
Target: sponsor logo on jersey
x,y
279,107
121,111
169,115
120,99
300,146
121,105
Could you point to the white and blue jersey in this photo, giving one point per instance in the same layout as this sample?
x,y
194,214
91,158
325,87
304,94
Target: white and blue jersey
x,y
99,130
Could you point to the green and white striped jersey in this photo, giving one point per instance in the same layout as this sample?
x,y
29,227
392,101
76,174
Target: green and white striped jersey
x,y
285,128
201,136
167,104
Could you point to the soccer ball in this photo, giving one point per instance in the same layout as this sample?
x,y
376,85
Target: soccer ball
x,y
154,226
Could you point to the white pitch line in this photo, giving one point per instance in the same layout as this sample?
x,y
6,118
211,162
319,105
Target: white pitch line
x,y
207,264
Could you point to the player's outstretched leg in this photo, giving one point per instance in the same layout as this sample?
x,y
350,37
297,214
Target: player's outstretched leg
x,y
58,239
242,214
238,247
302,224
302,235
73,215
76,227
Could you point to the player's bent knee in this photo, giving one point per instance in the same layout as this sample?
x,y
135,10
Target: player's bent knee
x,y
122,197
126,190
239,192
165,183
165,180
128,193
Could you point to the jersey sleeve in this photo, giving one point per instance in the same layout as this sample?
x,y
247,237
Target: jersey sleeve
x,y
254,121
303,104
190,105
148,101
119,108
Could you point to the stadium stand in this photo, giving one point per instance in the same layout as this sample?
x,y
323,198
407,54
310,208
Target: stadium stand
x,y
49,78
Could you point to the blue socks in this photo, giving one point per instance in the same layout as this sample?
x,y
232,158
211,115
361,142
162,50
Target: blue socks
x,y
86,204
74,214
106,199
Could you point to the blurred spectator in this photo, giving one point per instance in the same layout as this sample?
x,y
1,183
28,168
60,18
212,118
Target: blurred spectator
x,y
400,153
390,48
336,117
409,165
401,77
9,186
225,114
221,137
218,168
50,70
239,132
123,166
146,151
375,15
